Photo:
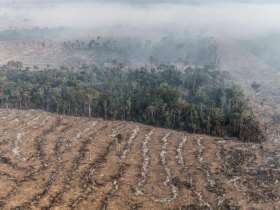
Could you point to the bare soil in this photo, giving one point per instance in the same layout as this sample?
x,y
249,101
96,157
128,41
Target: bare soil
x,y
49,161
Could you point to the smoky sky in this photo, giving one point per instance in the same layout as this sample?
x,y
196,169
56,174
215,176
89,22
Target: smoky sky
x,y
217,17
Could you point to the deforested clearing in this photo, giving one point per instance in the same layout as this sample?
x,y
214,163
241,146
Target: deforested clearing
x,y
50,161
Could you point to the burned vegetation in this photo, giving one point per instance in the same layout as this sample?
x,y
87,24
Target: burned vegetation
x,y
50,161
82,157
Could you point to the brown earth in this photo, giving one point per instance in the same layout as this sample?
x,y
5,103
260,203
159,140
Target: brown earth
x,y
49,161
42,54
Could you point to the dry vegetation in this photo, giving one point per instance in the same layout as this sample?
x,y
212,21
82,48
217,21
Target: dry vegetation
x,y
41,53
49,161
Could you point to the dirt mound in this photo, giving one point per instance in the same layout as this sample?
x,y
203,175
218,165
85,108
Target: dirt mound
x,y
56,162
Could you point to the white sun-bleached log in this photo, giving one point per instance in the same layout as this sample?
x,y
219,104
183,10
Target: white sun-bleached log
x,y
16,147
115,187
129,143
218,152
168,173
179,155
146,163
201,149
163,159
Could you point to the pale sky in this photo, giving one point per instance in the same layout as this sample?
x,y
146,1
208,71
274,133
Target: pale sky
x,y
213,16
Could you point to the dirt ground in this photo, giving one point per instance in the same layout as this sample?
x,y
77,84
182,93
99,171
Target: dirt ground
x,y
49,161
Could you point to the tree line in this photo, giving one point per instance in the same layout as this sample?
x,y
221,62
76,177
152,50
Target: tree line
x,y
199,100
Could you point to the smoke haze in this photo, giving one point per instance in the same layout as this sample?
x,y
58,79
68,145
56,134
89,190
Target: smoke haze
x,y
215,18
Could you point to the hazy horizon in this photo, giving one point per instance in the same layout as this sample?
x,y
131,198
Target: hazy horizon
x,y
221,18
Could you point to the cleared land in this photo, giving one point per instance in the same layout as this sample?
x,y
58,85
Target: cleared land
x,y
49,161
41,54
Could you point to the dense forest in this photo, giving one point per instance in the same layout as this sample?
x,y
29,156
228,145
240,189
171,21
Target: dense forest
x,y
198,99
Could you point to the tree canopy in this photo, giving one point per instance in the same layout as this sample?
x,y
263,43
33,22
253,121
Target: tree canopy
x,y
200,100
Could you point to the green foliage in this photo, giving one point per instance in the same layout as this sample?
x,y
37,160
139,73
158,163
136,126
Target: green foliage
x,y
197,100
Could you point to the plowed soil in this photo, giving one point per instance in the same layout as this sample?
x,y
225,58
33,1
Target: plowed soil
x,y
49,161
